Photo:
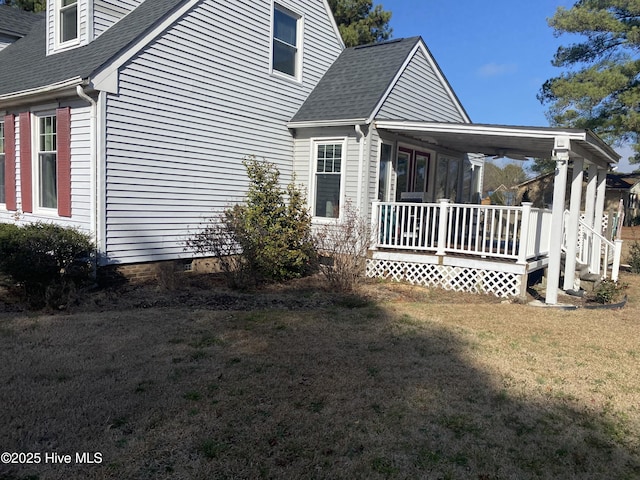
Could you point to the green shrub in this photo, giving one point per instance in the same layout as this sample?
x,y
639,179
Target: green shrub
x,y
267,238
48,260
609,291
634,257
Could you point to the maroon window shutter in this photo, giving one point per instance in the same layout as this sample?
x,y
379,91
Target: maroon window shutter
x,y
25,162
63,158
10,162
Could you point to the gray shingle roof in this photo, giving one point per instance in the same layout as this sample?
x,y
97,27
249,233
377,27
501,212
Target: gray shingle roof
x,y
356,82
25,65
15,22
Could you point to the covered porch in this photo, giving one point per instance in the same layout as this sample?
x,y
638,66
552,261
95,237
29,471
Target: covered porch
x,y
491,248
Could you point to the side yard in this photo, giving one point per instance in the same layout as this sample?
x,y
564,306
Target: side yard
x,y
400,382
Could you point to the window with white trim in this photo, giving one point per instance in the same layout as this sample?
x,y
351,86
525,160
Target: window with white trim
x,y
67,20
328,179
46,168
285,56
3,197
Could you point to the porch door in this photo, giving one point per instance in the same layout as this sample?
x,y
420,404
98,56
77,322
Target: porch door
x,y
412,172
447,173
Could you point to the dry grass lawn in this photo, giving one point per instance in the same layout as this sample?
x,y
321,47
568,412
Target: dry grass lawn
x,y
400,382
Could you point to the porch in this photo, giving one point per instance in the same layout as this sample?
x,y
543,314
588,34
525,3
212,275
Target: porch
x,y
474,248
489,248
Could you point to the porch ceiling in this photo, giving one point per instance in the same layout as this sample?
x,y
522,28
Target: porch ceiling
x,y
504,140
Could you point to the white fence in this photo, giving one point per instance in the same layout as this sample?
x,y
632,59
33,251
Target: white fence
x,y
479,230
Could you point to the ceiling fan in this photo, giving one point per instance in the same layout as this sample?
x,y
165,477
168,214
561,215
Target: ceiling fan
x,y
505,153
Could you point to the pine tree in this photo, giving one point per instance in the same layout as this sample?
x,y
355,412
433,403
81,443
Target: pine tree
x,y
360,23
600,89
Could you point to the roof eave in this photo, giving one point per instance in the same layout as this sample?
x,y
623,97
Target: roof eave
x,y
54,89
327,123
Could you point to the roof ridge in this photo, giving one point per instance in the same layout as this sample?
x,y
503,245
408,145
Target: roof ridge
x,y
386,42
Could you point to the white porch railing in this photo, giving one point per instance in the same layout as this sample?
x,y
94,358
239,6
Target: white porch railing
x,y
596,251
480,230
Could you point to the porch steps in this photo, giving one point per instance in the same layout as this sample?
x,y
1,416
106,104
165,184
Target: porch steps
x,y
584,280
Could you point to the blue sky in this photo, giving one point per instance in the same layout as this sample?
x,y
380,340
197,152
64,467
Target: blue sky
x,y
496,54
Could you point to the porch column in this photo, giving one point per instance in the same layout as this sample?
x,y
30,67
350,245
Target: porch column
x,y
590,207
596,256
572,224
561,156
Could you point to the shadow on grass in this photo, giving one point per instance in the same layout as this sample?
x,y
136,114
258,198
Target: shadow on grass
x,y
351,390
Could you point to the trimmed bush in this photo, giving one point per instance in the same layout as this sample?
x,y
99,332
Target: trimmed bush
x,y
47,260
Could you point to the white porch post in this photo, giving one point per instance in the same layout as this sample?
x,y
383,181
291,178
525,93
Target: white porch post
x,y
376,225
572,224
442,226
590,206
561,155
596,256
524,233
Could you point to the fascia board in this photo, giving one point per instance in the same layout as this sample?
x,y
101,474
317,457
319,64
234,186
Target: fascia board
x,y
54,88
327,123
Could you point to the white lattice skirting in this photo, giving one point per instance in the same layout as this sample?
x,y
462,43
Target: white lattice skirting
x,y
459,279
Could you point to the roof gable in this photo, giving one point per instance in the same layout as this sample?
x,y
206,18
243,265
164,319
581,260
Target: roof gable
x,y
365,80
422,93
355,84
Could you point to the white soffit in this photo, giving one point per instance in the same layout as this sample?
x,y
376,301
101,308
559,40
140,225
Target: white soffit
x,y
502,140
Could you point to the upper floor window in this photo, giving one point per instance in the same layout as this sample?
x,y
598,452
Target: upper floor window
x,y
286,42
3,198
68,20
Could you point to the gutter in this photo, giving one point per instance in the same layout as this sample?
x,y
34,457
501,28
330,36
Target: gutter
x,y
53,88
328,123
360,137
93,148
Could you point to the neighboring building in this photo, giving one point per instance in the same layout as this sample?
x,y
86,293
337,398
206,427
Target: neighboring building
x,y
619,186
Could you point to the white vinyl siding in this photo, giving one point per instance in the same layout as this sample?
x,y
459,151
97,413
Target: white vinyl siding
x,y
420,95
81,181
189,108
107,12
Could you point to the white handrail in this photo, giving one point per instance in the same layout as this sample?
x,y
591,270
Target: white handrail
x,y
516,233
609,251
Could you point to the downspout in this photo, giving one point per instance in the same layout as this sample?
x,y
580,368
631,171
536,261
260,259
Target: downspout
x,y
360,137
94,165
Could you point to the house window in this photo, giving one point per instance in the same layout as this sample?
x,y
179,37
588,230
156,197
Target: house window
x,y
285,47
46,162
328,179
447,178
3,197
384,174
68,20
412,173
